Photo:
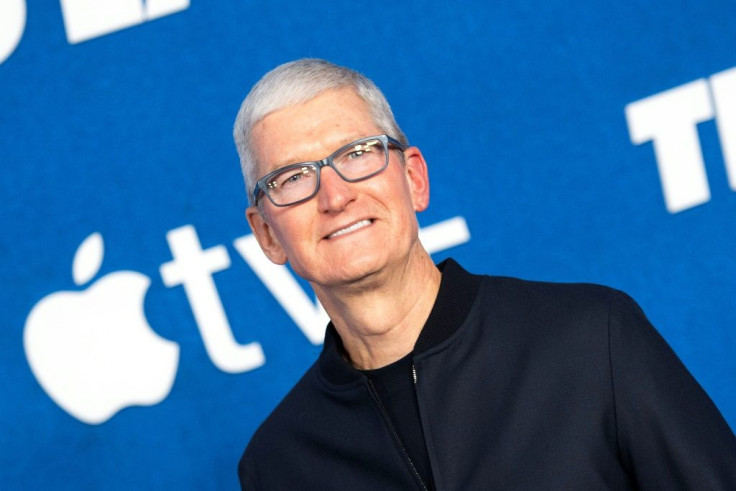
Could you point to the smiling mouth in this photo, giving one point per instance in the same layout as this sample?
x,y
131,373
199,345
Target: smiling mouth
x,y
351,228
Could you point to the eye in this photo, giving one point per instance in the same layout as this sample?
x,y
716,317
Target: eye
x,y
290,178
362,149
356,153
293,179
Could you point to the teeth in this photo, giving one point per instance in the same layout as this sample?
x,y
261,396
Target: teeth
x,y
352,227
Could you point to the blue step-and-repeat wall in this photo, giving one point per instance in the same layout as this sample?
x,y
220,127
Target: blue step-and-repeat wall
x,y
144,337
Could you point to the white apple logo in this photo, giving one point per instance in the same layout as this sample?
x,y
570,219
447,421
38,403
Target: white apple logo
x,y
93,351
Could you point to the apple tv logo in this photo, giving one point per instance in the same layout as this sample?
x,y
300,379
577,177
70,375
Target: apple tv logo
x,y
93,351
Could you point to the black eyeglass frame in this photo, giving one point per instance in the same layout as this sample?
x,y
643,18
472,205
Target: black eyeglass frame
x,y
386,141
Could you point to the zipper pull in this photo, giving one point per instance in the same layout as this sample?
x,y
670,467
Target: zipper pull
x,y
414,373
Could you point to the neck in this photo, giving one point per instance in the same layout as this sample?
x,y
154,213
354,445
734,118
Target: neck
x,y
379,323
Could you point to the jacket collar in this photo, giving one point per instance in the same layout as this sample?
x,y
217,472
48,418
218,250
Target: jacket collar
x,y
456,295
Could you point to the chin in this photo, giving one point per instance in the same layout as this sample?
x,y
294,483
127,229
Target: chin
x,y
354,272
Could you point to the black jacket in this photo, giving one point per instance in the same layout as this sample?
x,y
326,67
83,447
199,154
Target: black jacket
x,y
520,385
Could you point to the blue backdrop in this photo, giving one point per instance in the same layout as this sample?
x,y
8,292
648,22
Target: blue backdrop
x,y
572,141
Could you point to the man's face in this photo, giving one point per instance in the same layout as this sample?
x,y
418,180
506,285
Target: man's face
x,y
349,232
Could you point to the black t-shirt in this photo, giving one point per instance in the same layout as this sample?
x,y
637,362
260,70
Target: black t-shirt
x,y
395,386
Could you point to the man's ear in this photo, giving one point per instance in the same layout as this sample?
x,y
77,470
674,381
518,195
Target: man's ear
x,y
415,168
265,235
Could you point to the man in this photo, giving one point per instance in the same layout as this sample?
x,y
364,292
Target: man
x,y
431,377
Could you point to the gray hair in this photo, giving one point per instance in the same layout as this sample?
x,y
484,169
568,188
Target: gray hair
x,y
297,82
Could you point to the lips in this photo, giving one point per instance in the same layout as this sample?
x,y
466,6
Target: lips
x,y
351,228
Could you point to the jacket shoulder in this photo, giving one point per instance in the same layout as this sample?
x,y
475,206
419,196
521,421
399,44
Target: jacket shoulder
x,y
559,299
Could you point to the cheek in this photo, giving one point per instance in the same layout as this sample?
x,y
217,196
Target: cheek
x,y
294,234
402,191
285,237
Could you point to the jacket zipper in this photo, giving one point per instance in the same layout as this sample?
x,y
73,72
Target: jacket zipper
x,y
394,433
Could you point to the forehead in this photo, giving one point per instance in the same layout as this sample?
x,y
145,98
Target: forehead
x,y
311,130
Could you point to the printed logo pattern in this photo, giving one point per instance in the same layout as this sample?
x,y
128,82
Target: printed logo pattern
x,y
12,25
669,120
84,19
94,353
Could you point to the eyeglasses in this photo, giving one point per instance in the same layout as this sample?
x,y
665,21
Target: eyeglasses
x,y
354,162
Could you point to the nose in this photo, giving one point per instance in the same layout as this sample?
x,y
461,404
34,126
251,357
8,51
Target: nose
x,y
334,193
